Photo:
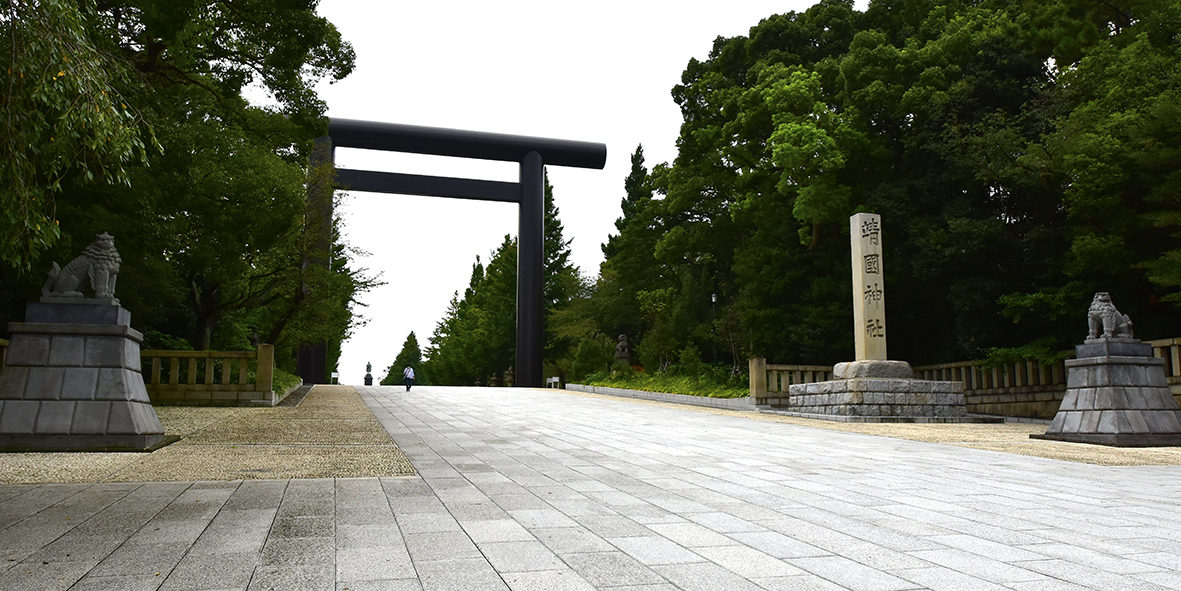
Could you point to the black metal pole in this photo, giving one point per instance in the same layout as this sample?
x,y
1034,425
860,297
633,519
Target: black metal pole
x,y
530,272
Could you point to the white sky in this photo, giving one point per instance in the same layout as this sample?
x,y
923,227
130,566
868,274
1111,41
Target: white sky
x,y
600,72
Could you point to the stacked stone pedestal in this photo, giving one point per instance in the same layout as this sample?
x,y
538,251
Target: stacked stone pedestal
x,y
72,381
879,391
1116,394
896,399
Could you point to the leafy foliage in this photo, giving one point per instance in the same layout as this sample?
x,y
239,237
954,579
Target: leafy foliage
x,y
1023,156
476,339
64,114
711,382
215,235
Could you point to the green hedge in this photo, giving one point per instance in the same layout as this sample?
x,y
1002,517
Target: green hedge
x,y
283,380
671,384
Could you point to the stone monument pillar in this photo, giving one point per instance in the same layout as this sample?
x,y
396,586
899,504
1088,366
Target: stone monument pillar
x,y
368,374
869,305
1116,391
869,295
873,387
72,380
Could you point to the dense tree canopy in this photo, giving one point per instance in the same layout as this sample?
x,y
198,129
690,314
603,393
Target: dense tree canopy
x,y
1022,155
209,210
64,114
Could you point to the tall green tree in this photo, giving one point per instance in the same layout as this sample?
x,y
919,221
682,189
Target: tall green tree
x,y
409,356
630,266
1022,156
562,283
213,235
476,338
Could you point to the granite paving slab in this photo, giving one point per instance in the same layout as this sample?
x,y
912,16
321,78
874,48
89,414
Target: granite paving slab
x,y
523,490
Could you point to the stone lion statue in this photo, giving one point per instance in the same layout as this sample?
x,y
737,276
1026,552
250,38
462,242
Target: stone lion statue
x,y
622,351
1104,320
98,264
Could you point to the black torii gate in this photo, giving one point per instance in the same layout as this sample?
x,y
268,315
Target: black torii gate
x,y
533,153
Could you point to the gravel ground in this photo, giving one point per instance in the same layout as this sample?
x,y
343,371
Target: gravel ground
x,y
331,433
1003,437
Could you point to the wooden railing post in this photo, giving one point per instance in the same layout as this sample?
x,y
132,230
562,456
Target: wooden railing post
x,y
155,377
264,373
758,379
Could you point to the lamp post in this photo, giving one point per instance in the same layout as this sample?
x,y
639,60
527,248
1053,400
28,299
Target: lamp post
x,y
713,300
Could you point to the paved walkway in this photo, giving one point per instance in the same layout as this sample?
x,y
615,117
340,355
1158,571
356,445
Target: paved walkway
x,y
533,489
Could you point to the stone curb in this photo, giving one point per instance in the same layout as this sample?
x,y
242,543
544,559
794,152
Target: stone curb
x,y
725,403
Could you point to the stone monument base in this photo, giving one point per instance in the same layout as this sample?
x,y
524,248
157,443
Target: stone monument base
x,y
879,391
1117,395
888,399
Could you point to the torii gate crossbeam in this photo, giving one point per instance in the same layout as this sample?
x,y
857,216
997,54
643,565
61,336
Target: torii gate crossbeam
x,y
532,153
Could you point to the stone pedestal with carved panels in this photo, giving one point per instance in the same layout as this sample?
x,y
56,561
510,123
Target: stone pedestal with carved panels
x,y
72,381
1116,394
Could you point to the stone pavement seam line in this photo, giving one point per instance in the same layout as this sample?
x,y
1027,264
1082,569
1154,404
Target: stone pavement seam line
x,y
394,514
28,516
146,523
274,522
368,396
185,554
365,396
920,495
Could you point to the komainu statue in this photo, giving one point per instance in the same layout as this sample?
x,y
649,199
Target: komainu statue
x,y
98,264
622,351
1104,321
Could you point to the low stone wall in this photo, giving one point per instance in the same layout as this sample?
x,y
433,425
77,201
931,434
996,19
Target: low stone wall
x,y
724,403
1036,402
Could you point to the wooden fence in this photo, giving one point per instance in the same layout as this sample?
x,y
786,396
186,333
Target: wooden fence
x,y
769,382
1170,351
211,378
1027,388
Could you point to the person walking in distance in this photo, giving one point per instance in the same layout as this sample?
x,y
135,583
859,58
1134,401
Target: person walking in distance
x,y
408,373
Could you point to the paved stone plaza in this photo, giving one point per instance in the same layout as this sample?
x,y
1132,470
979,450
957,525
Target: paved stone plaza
x,y
533,490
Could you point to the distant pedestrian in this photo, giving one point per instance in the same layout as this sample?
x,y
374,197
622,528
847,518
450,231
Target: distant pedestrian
x,y
408,373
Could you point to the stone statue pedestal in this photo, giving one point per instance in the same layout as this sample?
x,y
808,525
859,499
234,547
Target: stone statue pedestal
x,y
1116,394
368,379
72,381
878,390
